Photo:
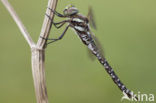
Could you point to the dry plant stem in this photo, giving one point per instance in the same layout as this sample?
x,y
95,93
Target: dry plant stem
x,y
18,22
38,60
38,72
38,68
46,24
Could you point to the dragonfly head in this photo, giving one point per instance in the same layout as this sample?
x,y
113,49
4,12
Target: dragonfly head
x,y
70,10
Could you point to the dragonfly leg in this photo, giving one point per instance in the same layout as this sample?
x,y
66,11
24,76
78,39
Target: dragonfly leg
x,y
59,38
58,23
56,13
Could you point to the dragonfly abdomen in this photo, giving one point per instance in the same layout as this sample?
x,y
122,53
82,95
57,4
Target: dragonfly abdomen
x,y
108,68
115,78
87,40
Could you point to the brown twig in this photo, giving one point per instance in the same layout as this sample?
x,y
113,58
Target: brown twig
x,y
18,22
38,68
46,23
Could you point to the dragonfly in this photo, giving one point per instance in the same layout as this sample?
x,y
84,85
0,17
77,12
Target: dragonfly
x,y
81,25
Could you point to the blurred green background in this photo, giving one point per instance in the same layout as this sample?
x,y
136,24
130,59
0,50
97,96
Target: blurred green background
x,y
126,30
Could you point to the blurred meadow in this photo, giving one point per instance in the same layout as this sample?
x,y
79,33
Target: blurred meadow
x,y
126,30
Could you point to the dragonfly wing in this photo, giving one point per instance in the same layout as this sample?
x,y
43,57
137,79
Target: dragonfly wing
x,y
91,18
90,54
98,44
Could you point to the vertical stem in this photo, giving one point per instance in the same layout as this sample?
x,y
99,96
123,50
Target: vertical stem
x,y
47,23
38,72
38,68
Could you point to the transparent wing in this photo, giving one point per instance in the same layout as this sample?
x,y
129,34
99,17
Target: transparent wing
x,y
90,55
92,23
91,18
97,42
99,47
